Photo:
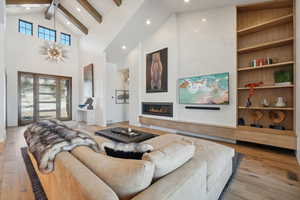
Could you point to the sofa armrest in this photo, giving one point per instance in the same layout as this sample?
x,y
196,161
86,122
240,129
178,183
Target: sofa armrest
x,y
187,182
71,180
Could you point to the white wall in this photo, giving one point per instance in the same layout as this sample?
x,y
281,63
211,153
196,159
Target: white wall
x,y
206,48
22,54
2,72
298,76
195,48
116,112
133,62
165,37
99,62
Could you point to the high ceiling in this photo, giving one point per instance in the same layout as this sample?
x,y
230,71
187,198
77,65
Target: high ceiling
x,y
124,24
181,6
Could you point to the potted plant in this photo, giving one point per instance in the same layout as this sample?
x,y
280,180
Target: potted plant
x,y
284,77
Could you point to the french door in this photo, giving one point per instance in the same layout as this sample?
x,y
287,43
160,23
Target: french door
x,y
44,97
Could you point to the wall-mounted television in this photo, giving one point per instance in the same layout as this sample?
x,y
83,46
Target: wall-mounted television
x,y
204,90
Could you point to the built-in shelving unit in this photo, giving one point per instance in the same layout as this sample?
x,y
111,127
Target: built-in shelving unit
x,y
266,66
266,45
265,108
265,30
268,87
268,24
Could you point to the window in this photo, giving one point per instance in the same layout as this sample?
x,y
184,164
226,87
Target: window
x,y
47,33
65,39
25,27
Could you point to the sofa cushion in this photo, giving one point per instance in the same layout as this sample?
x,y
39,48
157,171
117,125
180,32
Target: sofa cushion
x,y
168,158
216,155
125,177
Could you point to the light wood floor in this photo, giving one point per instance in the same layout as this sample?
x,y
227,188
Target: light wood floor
x,y
263,174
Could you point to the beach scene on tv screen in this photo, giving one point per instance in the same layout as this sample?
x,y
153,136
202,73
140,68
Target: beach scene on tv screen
x,y
206,90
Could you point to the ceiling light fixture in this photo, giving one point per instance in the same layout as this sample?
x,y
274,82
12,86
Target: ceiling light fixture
x,y
53,51
68,22
186,1
78,9
148,21
124,47
203,19
27,8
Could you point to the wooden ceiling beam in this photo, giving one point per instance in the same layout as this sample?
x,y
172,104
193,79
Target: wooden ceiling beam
x,y
16,2
91,10
118,2
73,19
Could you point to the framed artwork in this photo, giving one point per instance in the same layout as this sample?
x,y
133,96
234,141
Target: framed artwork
x,y
157,71
122,97
126,97
210,89
88,80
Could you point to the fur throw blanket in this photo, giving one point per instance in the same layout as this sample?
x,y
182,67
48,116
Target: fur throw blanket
x,y
48,138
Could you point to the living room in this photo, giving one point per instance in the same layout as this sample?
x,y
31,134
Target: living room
x,y
204,94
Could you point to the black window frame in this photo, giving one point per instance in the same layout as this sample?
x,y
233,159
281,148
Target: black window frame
x,y
55,36
70,38
27,22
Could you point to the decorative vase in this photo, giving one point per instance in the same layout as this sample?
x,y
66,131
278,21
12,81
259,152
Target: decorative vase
x,y
265,103
280,102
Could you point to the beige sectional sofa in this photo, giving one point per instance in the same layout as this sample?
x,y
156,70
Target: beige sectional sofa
x,y
84,174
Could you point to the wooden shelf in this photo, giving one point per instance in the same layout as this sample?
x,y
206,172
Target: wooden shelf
x,y
267,130
265,108
266,66
265,5
266,33
268,87
278,21
266,45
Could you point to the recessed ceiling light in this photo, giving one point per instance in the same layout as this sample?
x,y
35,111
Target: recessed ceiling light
x,y
203,19
124,47
68,22
78,9
148,21
186,1
27,8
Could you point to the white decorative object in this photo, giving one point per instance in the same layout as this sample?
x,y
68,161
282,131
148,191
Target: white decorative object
x,y
280,102
283,84
265,103
88,116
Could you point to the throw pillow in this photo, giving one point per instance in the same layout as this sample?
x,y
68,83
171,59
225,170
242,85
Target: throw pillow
x,y
170,157
126,151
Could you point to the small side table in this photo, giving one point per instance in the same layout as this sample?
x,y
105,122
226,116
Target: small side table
x,y
88,116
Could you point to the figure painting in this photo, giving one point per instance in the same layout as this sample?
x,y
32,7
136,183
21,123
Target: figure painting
x,y
157,71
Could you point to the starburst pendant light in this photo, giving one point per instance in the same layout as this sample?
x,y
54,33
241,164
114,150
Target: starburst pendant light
x,y
53,51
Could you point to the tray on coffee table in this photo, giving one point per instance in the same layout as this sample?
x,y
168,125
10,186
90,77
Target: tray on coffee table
x,y
122,135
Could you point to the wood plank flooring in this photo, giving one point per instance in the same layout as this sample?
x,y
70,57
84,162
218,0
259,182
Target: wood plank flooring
x,y
264,174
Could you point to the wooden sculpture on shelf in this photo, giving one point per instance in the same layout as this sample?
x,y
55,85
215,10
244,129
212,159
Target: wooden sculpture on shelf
x,y
256,117
252,87
277,117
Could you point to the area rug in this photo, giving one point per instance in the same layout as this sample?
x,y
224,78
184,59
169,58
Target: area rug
x,y
236,161
40,194
37,187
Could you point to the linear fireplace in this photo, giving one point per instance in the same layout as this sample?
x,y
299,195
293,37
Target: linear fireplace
x,y
158,109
